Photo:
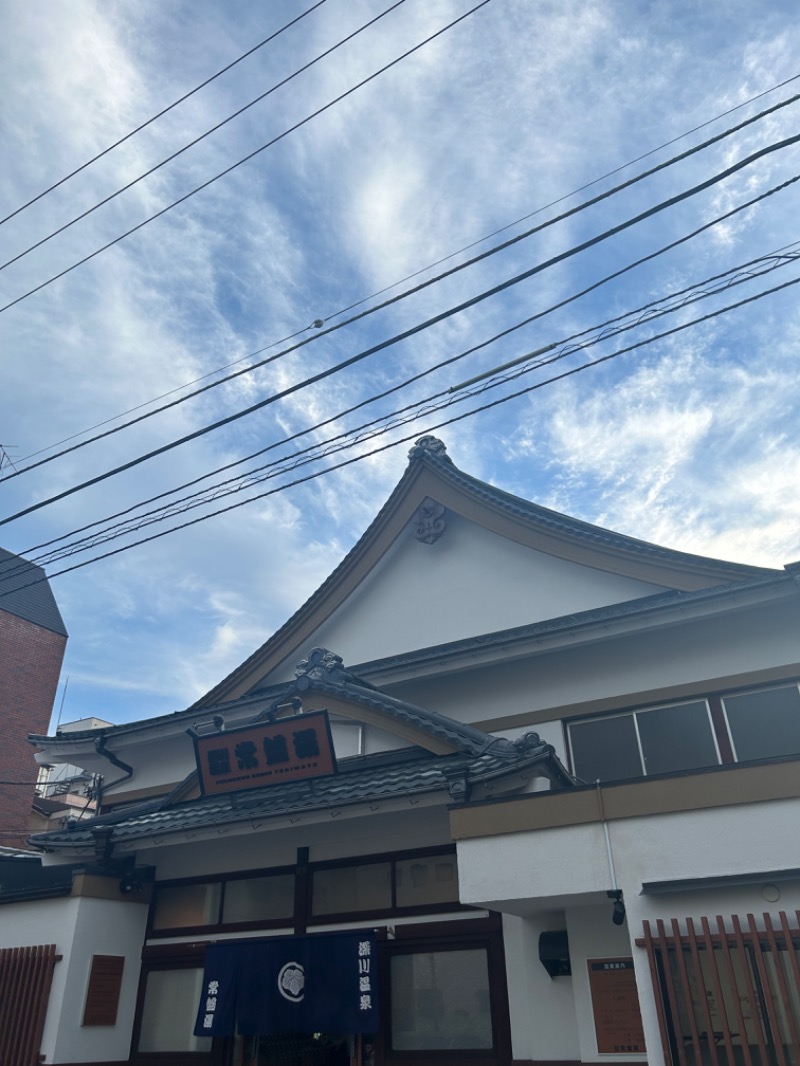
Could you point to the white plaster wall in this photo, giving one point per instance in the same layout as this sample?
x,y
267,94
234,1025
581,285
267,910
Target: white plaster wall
x,y
563,862
332,839
80,928
528,873
592,935
542,1008
102,927
551,864
694,652
44,922
470,581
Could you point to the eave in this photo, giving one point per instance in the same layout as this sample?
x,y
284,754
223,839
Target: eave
x,y
433,475
670,608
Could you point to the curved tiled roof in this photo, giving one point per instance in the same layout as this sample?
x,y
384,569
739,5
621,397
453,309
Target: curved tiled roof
x,y
431,454
360,779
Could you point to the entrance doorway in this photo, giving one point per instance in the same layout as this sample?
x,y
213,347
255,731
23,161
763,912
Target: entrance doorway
x,y
296,1049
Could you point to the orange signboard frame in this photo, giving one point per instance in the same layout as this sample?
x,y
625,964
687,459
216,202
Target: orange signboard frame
x,y
615,1003
267,753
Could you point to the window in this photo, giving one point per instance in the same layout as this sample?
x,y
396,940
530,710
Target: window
x,y
762,723
433,880
352,889
765,722
184,906
419,882
655,740
169,1011
410,882
259,899
440,1001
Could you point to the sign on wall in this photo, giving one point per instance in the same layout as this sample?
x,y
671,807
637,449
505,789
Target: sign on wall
x,y
269,753
615,1003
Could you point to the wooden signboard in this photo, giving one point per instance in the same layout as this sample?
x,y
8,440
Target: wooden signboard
x,y
102,995
269,753
615,1003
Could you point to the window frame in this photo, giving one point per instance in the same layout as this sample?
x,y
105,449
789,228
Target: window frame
x,y
633,712
431,938
302,916
721,731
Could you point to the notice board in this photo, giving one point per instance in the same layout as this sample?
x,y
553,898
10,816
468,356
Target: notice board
x,y
615,1004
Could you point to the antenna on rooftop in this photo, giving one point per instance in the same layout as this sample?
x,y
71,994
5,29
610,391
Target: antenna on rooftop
x,y
5,458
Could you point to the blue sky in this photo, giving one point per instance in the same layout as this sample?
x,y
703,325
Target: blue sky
x,y
691,441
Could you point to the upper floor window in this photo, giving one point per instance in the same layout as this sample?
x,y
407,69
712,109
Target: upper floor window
x,y
679,736
737,726
764,723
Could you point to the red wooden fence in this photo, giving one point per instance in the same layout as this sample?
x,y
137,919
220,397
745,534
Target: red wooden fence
x,y
25,978
727,995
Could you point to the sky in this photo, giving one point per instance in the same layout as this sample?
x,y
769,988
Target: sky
x,y
369,175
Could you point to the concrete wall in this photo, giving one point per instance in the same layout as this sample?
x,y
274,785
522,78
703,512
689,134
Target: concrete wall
x,y
528,874
81,928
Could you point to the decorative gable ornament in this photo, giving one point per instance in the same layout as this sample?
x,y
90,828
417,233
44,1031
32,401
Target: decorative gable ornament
x,y
429,521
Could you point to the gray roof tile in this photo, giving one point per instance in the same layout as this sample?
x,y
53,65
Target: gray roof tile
x,y
26,593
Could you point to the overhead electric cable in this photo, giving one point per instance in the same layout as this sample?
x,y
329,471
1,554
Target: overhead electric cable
x,y
566,196
421,270
668,304
431,281
442,316
202,137
395,443
647,312
249,156
163,111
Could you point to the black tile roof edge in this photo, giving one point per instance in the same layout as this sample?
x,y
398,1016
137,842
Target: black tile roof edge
x,y
243,806
437,458
469,739
586,530
25,593
660,601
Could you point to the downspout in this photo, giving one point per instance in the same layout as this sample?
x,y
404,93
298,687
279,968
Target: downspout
x,y
101,749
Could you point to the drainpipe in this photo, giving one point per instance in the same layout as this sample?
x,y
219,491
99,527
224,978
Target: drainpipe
x,y
618,912
101,749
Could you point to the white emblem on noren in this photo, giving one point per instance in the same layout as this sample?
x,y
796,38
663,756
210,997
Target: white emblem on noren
x,y
291,982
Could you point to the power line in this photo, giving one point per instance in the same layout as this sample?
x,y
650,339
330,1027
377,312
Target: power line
x,y
737,274
457,418
442,316
248,157
409,277
162,112
669,304
430,281
748,271
202,137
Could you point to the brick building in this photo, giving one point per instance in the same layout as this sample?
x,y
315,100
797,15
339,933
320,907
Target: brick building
x,y
32,643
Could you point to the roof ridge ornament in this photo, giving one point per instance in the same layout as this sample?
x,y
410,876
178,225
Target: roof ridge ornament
x,y
429,448
323,665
